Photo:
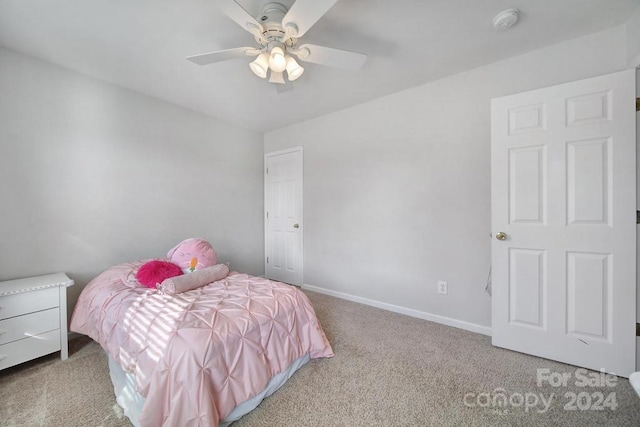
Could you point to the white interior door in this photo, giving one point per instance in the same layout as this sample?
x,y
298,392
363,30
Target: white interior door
x,y
564,195
283,216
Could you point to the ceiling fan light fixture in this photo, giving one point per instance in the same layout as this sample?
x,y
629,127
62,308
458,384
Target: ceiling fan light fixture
x,y
277,60
260,65
277,31
294,70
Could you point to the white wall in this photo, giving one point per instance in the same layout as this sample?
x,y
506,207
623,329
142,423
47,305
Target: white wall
x,y
92,175
633,39
397,190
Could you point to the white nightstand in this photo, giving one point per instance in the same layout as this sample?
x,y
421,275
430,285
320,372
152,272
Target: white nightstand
x,y
33,318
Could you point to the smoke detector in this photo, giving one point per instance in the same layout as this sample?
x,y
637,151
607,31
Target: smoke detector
x,y
506,19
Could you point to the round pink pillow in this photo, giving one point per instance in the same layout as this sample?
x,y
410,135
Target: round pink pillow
x,y
193,254
154,272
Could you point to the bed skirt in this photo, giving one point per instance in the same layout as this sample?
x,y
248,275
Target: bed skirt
x,y
132,402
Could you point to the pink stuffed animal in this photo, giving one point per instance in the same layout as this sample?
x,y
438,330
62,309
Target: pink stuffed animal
x,y
193,254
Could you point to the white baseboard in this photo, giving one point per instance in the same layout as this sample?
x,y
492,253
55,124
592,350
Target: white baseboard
x,y
460,324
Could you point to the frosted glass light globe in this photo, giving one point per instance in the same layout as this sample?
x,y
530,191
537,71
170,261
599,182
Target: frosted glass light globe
x,y
294,70
277,60
260,65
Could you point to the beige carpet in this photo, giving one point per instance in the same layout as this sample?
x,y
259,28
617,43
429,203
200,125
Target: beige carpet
x,y
389,370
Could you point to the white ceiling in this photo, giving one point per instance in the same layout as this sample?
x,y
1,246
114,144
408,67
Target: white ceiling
x,y
141,45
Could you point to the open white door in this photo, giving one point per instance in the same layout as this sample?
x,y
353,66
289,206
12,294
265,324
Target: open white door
x,y
563,188
283,216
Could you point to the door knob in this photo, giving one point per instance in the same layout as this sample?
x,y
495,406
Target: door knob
x,y
501,236
296,225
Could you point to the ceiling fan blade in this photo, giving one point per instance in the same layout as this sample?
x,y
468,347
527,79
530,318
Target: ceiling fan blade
x,y
304,13
237,13
332,57
221,55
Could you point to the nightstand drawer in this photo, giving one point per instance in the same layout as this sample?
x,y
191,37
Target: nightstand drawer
x,y
29,348
19,327
28,302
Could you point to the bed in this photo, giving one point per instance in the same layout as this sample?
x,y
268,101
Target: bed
x,y
199,358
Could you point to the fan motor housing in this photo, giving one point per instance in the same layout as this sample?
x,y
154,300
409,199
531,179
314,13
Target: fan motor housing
x,y
271,20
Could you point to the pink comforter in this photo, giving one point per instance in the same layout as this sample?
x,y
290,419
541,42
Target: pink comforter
x,y
197,355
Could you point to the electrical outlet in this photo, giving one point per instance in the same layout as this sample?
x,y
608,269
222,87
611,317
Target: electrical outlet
x,y
442,287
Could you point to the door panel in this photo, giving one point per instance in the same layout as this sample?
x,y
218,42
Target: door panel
x,y
588,295
527,184
564,192
588,181
526,287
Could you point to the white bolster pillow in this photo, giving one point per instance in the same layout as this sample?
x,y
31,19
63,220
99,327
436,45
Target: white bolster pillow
x,y
189,281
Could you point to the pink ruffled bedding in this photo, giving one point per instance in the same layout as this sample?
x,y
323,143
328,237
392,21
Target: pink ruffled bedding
x,y
197,355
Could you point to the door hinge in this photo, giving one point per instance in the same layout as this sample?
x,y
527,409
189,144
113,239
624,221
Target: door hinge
x,y
638,329
267,171
268,215
637,104
267,260
637,217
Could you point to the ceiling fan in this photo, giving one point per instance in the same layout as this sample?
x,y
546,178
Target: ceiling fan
x,y
277,30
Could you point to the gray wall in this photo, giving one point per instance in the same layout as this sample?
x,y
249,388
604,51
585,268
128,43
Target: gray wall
x,y
92,175
633,39
397,191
